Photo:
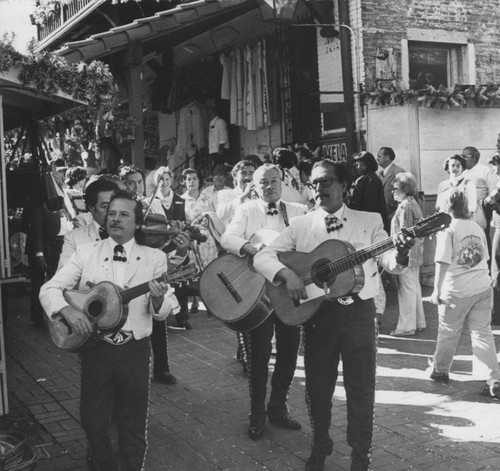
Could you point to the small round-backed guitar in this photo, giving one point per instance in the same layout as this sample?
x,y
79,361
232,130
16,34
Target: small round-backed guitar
x,y
106,305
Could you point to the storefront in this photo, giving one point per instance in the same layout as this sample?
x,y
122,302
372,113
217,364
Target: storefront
x,y
274,81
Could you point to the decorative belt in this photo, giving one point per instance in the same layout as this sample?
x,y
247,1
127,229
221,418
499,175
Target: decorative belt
x,y
118,338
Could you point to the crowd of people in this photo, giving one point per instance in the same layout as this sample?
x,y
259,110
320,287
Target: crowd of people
x,y
308,202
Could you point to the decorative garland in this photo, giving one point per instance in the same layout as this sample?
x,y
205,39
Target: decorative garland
x,y
431,97
91,83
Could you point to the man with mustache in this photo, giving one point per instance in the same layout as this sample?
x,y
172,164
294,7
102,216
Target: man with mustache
x,y
340,328
270,212
115,369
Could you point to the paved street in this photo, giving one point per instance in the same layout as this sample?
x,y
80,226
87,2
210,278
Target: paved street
x,y
200,423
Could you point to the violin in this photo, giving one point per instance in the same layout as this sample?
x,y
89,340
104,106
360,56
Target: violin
x,y
157,232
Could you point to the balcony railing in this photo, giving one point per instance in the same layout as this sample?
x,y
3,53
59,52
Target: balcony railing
x,y
62,16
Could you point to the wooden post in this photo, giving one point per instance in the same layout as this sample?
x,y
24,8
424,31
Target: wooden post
x,y
134,93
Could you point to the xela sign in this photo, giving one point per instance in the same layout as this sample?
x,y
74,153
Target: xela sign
x,y
337,151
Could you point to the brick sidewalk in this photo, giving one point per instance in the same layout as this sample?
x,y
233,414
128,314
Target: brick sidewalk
x,y
200,423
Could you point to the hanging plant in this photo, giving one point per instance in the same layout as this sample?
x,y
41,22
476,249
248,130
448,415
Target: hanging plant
x,y
92,83
430,97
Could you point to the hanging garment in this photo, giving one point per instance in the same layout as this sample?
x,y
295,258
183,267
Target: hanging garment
x,y
257,71
225,89
250,90
265,92
233,104
192,130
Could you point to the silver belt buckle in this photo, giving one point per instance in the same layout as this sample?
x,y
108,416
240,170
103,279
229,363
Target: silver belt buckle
x,y
345,300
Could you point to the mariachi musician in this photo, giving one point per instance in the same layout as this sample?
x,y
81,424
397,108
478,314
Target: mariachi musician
x,y
343,328
115,369
270,212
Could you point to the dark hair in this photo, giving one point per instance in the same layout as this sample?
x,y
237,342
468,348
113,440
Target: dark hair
x,y
191,171
60,162
475,153
456,204
97,186
388,151
127,170
284,158
368,159
75,175
240,165
494,159
305,166
125,195
256,162
446,164
341,170
304,152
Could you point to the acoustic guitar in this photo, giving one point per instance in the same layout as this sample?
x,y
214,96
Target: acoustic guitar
x,y
234,292
106,305
333,270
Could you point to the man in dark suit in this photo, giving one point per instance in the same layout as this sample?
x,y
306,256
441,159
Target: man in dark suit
x,y
388,172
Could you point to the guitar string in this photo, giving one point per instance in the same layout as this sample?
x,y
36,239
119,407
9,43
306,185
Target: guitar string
x,y
338,266
344,262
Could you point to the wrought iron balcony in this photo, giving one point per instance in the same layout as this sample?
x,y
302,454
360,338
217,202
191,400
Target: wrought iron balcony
x,y
63,16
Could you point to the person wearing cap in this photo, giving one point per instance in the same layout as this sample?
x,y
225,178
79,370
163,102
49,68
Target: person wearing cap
x,y
208,199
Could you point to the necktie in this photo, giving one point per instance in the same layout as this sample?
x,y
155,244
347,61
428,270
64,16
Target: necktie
x,y
103,233
119,254
271,209
333,224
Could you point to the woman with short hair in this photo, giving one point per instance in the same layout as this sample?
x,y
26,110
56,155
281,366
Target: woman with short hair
x,y
464,295
411,317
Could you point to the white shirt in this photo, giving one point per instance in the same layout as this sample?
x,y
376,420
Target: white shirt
x,y
217,135
386,169
120,269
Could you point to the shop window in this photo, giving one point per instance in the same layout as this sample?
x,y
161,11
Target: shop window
x,y
435,65
437,57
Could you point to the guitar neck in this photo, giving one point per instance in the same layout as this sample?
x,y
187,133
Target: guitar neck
x,y
361,256
131,293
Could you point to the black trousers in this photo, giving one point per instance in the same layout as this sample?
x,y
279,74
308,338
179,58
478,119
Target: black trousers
x,y
260,345
159,344
348,332
115,387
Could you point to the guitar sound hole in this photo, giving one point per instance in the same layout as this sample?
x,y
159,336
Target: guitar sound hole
x,y
321,273
94,308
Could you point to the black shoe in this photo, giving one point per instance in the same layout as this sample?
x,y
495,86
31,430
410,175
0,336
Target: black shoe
x,y
440,377
316,461
284,421
165,377
193,310
256,428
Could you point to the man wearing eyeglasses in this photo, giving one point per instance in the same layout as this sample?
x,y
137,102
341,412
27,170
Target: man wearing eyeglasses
x,y
340,328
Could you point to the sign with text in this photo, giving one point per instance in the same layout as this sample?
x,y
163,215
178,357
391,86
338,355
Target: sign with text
x,y
337,151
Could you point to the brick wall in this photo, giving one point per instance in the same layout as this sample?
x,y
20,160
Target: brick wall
x,y
385,23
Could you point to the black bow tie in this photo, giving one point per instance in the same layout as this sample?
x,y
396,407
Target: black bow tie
x,y
333,224
103,233
271,209
119,254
